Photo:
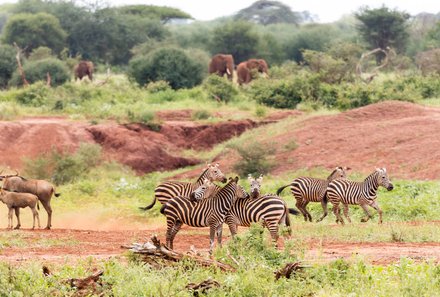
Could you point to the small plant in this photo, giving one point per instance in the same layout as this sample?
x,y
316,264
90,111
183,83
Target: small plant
x,y
148,118
157,86
254,158
201,115
220,88
260,111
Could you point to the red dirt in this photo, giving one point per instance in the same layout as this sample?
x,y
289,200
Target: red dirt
x,y
80,244
401,136
134,145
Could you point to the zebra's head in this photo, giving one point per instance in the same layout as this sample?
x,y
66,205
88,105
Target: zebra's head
x,y
339,172
255,185
205,190
241,193
213,173
383,179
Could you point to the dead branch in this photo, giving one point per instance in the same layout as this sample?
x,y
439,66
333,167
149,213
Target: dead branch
x,y
287,270
375,70
155,250
20,68
203,286
103,82
49,79
87,282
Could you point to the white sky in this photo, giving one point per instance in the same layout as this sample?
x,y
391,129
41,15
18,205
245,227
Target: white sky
x,y
327,10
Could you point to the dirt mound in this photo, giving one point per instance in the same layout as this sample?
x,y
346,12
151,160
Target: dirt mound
x,y
135,145
401,136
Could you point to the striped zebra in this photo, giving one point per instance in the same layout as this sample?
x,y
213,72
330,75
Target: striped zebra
x,y
205,213
167,190
269,209
309,189
358,193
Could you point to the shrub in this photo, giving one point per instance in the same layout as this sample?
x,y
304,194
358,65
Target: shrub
x,y
146,117
40,53
63,168
220,88
38,70
169,64
429,61
201,115
35,94
253,158
8,64
157,86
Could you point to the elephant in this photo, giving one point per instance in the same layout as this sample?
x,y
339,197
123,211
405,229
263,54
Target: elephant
x,y
244,69
221,64
84,68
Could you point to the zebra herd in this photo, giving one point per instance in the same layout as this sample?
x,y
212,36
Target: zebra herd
x,y
205,204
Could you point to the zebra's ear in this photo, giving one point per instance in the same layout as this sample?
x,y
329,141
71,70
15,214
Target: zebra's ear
x,y
260,179
384,170
236,179
217,165
250,177
347,168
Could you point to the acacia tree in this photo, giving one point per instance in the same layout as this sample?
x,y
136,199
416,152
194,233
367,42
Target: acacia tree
x,y
30,31
382,28
235,38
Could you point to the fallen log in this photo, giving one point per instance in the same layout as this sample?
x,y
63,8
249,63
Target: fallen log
x,y
287,270
155,250
203,286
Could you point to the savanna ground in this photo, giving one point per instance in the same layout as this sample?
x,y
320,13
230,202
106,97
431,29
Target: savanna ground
x,y
98,211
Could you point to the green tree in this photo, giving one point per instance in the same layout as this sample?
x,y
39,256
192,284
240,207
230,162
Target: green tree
x,y
30,31
38,70
382,28
167,64
163,13
433,37
236,38
268,12
8,64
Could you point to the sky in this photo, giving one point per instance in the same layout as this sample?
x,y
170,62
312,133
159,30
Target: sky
x,y
326,10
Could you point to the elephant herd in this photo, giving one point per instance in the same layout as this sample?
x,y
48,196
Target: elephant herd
x,y
222,64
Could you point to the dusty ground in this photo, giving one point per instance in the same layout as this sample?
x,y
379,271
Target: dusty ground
x,y
64,245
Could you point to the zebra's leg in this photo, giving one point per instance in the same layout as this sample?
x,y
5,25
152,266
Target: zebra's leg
x,y
379,211
273,229
212,231
176,228
365,208
324,207
308,215
337,213
346,213
219,234
170,226
298,205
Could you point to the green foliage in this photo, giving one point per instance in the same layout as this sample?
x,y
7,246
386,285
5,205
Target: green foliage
x,y
163,13
157,86
26,30
8,64
169,64
382,28
220,88
268,12
236,38
34,95
254,158
38,70
329,69
432,39
201,115
145,117
429,61
64,168
40,53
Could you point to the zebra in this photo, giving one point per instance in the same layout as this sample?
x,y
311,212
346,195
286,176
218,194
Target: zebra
x,y
207,212
358,193
269,209
255,185
309,189
167,190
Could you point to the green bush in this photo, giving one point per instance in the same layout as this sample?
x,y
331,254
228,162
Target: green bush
x,y
34,95
38,70
8,64
63,168
157,86
201,115
168,64
254,158
146,117
220,88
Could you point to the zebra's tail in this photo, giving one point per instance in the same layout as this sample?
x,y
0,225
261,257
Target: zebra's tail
x,y
281,189
293,211
162,209
325,198
149,206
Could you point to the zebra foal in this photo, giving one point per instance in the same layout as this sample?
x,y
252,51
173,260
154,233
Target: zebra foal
x,y
167,190
269,209
309,189
205,213
358,193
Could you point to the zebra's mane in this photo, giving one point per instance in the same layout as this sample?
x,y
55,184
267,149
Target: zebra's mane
x,y
202,175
